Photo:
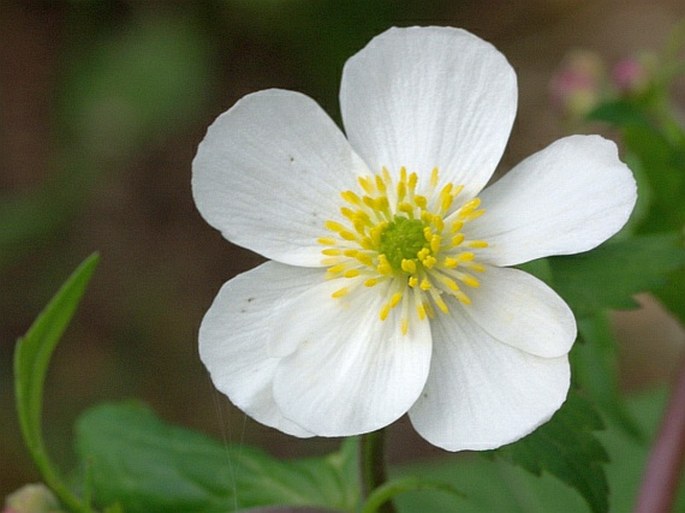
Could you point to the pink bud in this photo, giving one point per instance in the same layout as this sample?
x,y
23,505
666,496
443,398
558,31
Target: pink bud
x,y
632,74
577,86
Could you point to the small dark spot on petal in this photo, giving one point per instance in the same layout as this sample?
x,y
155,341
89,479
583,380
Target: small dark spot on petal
x,y
250,299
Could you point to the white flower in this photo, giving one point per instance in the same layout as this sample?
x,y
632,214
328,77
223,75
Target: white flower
x,y
387,292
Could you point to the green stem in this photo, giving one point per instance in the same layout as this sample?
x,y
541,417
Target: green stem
x,y
372,461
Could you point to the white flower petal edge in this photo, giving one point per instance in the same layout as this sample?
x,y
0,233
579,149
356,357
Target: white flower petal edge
x,y
568,198
350,373
234,338
481,393
520,310
269,173
423,97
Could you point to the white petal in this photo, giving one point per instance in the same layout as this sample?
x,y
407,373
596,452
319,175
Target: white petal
x,y
427,97
568,198
234,338
269,172
351,373
482,394
520,310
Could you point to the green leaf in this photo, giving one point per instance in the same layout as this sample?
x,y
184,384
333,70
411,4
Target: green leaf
x,y
31,360
594,362
620,113
134,458
608,276
495,486
566,448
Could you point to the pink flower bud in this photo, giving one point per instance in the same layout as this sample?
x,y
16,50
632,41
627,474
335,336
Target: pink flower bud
x,y
577,86
632,74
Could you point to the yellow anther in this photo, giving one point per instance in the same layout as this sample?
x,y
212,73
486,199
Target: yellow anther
x,y
479,268
477,244
366,243
408,266
457,239
386,175
463,298
465,256
331,252
401,190
340,292
380,184
413,180
406,208
429,262
469,207
420,201
351,197
427,233
370,282
381,204
451,284
348,213
395,299
474,215
336,269
352,273
456,226
366,184
469,281
364,258
403,174
435,241
326,241
413,281
383,266
423,253
438,223
450,262
434,177
425,284
347,235
421,311
404,326
440,303
385,311
334,226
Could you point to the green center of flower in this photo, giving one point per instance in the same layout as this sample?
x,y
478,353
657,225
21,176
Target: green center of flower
x,y
401,240
410,239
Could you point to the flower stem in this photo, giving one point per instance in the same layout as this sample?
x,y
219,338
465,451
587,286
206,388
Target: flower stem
x,y
665,464
372,462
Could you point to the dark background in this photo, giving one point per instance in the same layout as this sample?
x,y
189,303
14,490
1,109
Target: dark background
x,y
102,105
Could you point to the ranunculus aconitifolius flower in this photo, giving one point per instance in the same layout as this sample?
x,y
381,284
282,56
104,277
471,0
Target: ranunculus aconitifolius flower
x,y
389,289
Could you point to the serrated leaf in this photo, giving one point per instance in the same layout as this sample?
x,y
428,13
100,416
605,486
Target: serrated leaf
x,y
566,448
492,485
148,466
31,359
610,275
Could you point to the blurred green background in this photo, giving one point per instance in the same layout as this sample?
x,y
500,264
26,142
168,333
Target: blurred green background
x,y
102,104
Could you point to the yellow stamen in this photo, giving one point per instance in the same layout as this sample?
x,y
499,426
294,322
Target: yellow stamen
x,y
340,293
408,266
